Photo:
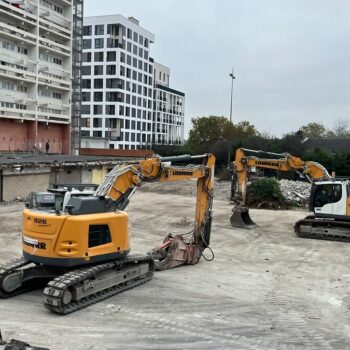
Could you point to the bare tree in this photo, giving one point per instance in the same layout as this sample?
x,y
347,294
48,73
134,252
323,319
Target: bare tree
x,y
341,128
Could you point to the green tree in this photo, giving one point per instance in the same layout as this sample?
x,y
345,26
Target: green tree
x,y
206,131
314,131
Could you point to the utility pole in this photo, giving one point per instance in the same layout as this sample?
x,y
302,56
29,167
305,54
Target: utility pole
x,y
232,77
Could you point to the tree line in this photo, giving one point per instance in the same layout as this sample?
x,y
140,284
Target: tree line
x,y
218,135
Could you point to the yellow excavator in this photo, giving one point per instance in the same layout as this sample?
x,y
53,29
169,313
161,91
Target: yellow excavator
x,y
77,244
329,199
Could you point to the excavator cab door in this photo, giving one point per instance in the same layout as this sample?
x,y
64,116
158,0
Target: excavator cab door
x,y
329,199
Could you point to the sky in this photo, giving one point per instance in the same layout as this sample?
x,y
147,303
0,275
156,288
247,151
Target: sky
x,y
290,57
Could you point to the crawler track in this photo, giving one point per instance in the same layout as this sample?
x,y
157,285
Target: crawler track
x,y
318,228
54,293
84,286
6,270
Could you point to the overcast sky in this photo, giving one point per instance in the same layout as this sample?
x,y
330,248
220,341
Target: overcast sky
x,y
291,57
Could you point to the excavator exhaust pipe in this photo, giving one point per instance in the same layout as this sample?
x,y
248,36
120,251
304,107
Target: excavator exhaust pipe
x,y
240,218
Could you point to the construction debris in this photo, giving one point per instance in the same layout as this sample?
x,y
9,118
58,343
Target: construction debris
x,y
298,191
14,344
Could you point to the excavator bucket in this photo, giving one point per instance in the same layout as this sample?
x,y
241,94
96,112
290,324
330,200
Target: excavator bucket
x,y
240,218
173,252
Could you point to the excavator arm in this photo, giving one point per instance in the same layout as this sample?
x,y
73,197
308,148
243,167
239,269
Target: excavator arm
x,y
247,159
123,180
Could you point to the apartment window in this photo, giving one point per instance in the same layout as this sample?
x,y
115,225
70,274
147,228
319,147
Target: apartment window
x,y
99,29
87,44
134,62
97,134
122,57
140,39
86,70
98,70
97,123
134,74
121,110
136,37
85,96
128,72
146,42
128,47
112,43
85,109
111,56
111,96
111,83
122,71
145,55
139,88
132,136
98,56
151,70
86,84
98,83
98,96
140,52
140,79
111,70
128,59
140,64
86,56
97,109
85,122
134,49
129,35
87,30
110,109
99,43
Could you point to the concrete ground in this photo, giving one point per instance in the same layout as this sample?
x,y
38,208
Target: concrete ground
x,y
266,289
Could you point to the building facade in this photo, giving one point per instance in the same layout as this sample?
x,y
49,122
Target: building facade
x,y
168,109
117,84
36,59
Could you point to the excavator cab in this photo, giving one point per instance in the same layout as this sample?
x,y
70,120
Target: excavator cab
x,y
329,198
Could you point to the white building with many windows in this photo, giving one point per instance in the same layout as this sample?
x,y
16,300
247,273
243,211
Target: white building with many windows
x,y
36,39
168,109
117,85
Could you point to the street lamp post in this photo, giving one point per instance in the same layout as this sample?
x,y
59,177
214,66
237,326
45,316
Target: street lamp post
x,y
232,77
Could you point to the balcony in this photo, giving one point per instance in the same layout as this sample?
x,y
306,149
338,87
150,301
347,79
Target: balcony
x,y
56,48
17,35
17,74
23,15
14,113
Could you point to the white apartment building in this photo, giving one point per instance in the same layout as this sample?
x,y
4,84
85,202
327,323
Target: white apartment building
x,y
117,85
168,109
36,38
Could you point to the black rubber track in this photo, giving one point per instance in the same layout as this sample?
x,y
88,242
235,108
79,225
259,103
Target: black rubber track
x,y
53,293
312,222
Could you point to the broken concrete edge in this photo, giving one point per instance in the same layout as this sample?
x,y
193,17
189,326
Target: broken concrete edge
x,y
14,344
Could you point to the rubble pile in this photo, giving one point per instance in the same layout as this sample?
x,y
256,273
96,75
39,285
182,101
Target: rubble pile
x,y
298,191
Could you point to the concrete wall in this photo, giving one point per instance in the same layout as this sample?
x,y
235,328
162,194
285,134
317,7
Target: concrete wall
x,y
66,176
20,185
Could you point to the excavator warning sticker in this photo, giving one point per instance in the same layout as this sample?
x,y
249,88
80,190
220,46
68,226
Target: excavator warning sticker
x,y
34,243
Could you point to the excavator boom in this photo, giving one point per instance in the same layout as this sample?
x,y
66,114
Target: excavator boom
x,y
247,159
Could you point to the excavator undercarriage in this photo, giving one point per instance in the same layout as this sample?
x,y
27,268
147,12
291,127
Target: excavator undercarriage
x,y
69,290
323,228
